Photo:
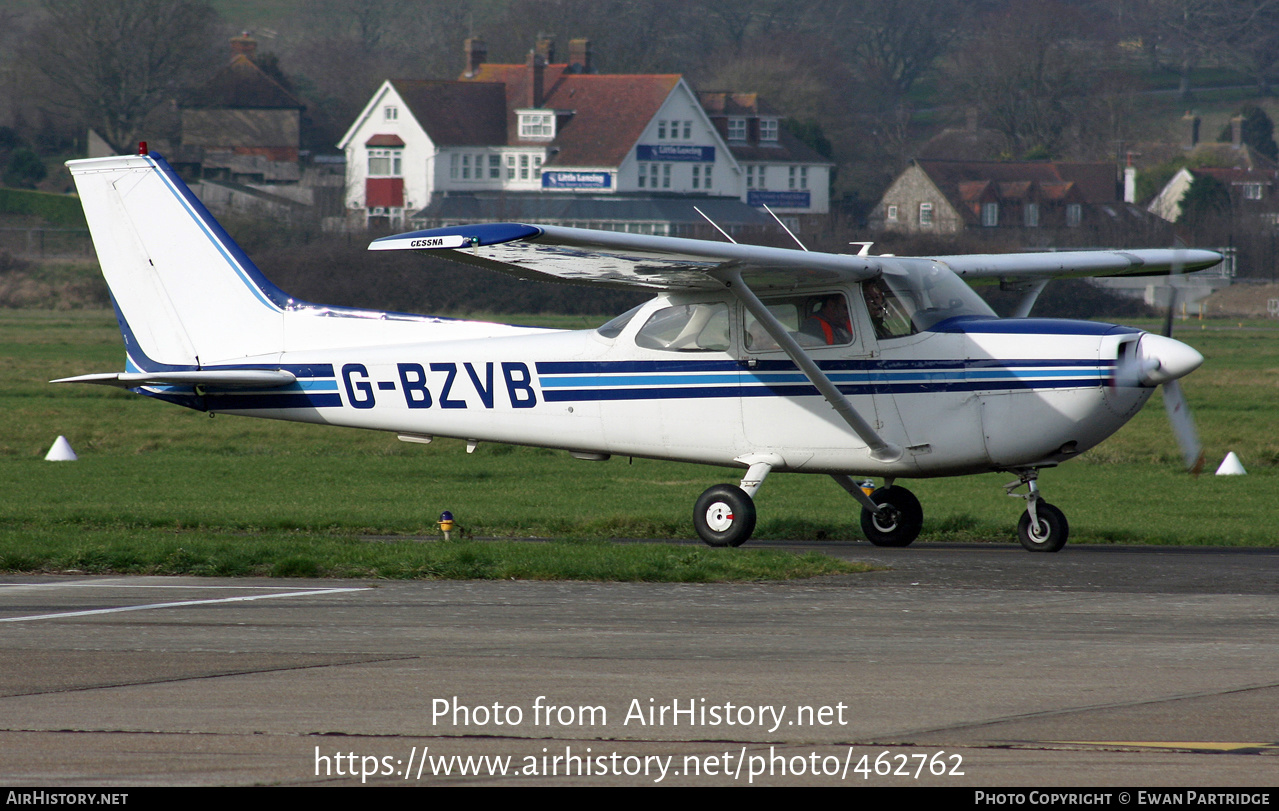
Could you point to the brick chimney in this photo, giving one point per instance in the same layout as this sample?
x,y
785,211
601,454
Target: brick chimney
x,y
537,79
579,56
1192,129
243,45
546,50
476,53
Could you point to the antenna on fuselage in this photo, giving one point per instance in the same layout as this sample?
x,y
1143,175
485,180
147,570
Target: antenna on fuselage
x,y
783,225
713,225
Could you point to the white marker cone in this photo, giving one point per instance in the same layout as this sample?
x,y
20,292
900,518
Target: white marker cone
x,y
61,451
1231,466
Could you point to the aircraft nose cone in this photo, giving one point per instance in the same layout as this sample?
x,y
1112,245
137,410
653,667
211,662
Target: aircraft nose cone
x,y
1166,359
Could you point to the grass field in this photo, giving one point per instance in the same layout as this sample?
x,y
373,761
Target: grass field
x,y
160,488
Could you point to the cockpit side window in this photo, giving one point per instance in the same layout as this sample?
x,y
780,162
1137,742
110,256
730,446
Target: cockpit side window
x,y
813,320
702,327
890,310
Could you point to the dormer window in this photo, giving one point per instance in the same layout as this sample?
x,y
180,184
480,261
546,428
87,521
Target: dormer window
x,y
737,129
537,124
768,129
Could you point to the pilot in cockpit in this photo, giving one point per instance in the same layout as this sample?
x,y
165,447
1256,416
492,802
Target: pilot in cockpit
x,y
828,321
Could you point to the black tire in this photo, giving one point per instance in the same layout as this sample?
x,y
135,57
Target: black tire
x,y
1052,532
724,516
900,521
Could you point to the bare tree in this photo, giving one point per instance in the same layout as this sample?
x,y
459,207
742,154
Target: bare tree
x,y
339,51
1250,36
891,45
112,62
1027,76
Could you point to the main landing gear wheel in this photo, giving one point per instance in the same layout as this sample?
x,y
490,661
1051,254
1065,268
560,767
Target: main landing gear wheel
x,y
1051,533
899,521
724,516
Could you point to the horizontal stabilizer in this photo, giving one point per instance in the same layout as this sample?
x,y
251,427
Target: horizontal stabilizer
x,y
233,379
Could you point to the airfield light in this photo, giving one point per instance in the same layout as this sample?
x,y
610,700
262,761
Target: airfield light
x,y
446,523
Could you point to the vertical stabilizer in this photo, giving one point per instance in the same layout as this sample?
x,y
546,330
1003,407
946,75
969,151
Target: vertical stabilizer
x,y
185,293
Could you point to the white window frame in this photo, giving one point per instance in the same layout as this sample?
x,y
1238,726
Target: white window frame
x,y
1074,215
390,113
990,214
768,129
925,214
737,129
537,125
394,162
1031,216
892,213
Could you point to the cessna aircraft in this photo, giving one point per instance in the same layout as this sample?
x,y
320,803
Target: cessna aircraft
x,y
766,359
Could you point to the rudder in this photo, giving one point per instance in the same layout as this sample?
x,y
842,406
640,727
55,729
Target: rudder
x,y
182,287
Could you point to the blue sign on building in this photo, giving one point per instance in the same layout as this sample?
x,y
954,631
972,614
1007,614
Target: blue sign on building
x,y
675,152
779,199
577,180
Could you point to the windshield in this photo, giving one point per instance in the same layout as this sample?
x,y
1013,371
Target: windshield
x,y
927,294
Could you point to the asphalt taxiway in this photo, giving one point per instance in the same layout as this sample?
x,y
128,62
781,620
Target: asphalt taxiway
x,y
961,665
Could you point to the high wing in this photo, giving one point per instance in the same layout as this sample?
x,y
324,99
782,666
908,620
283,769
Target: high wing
x,y
617,259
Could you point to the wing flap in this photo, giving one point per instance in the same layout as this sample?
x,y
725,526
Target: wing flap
x,y
1047,265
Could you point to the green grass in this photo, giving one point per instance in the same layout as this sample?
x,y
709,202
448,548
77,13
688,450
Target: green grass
x,y
161,489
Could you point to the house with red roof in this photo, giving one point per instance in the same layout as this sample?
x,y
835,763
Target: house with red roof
x,y
553,142
241,125
946,197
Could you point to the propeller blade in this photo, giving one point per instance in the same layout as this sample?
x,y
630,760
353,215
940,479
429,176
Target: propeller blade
x,y
1183,426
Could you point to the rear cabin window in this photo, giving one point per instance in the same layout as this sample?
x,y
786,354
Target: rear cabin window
x,y
687,328
614,326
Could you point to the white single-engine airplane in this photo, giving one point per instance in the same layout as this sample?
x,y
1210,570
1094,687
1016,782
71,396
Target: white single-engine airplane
x,y
759,358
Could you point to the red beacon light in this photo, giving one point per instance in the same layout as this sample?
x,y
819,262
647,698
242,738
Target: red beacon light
x,y
142,147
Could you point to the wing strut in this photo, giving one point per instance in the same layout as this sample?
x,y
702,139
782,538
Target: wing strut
x,y
881,451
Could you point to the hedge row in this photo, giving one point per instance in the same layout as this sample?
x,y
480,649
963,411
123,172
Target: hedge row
x,y
55,209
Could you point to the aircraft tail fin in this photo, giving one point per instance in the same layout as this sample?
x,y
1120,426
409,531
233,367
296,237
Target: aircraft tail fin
x,y
184,292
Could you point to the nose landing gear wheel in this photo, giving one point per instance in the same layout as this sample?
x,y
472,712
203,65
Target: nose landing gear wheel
x,y
724,516
1051,533
898,524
